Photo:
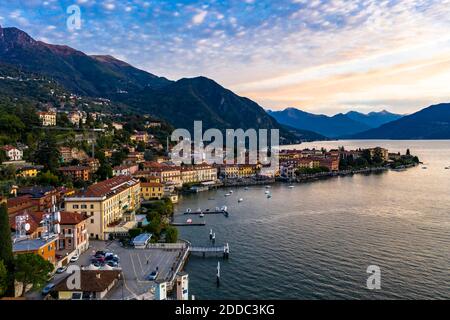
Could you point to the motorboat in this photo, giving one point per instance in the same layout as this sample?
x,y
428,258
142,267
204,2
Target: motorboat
x,y
189,221
240,200
291,187
224,209
228,194
269,196
267,192
202,215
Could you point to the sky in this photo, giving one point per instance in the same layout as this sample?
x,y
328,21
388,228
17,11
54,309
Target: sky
x,y
321,56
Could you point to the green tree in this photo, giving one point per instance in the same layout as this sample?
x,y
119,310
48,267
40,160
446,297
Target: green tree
x,y
105,171
6,254
171,234
3,156
47,153
4,279
47,178
31,269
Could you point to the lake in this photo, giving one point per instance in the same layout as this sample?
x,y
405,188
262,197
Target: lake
x,y
315,241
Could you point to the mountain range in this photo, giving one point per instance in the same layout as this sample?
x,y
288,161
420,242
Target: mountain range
x,y
177,102
336,126
182,102
430,123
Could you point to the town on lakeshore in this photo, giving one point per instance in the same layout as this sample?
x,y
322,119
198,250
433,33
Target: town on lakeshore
x,y
92,195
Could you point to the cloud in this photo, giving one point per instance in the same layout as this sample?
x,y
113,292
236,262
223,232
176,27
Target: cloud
x,y
199,17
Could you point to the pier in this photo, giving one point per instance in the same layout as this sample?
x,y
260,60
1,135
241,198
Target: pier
x,y
186,224
225,250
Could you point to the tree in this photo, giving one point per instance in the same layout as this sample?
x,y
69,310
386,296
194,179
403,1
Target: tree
x,y
171,234
31,269
3,156
6,253
105,171
48,154
4,279
408,152
47,178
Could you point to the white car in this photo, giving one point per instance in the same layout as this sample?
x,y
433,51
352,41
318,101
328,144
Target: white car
x,y
74,258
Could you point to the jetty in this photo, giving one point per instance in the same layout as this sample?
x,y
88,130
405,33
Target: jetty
x,y
225,250
187,224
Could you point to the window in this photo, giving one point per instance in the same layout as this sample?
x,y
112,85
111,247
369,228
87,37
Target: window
x,y
92,206
75,206
92,220
83,206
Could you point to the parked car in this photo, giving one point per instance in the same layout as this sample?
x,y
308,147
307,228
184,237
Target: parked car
x,y
100,252
152,276
48,288
61,269
74,258
112,264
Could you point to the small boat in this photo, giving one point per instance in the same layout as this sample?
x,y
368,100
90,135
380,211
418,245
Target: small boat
x,y
188,210
269,196
231,191
447,168
291,187
228,194
246,188
268,187
224,209
240,200
202,215
424,168
189,221
267,192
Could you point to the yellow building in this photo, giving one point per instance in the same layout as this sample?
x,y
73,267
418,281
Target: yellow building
x,y
151,190
105,203
28,172
188,175
247,170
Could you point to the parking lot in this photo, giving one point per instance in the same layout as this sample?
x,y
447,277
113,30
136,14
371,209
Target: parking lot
x,y
136,265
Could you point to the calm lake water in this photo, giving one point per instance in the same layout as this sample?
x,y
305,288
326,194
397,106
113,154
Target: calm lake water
x,y
316,241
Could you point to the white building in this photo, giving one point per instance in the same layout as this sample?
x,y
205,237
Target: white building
x,y
13,153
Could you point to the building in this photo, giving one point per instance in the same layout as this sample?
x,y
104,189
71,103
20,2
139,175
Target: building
x,y
92,163
152,124
152,190
94,285
29,171
182,283
22,203
74,234
42,197
74,118
46,248
140,136
125,170
68,154
48,119
134,158
166,174
77,173
117,125
105,203
384,153
13,153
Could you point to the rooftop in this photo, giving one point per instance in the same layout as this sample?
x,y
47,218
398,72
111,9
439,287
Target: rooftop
x,y
91,281
108,187
31,244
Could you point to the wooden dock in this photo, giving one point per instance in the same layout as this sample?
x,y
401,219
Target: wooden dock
x,y
186,224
